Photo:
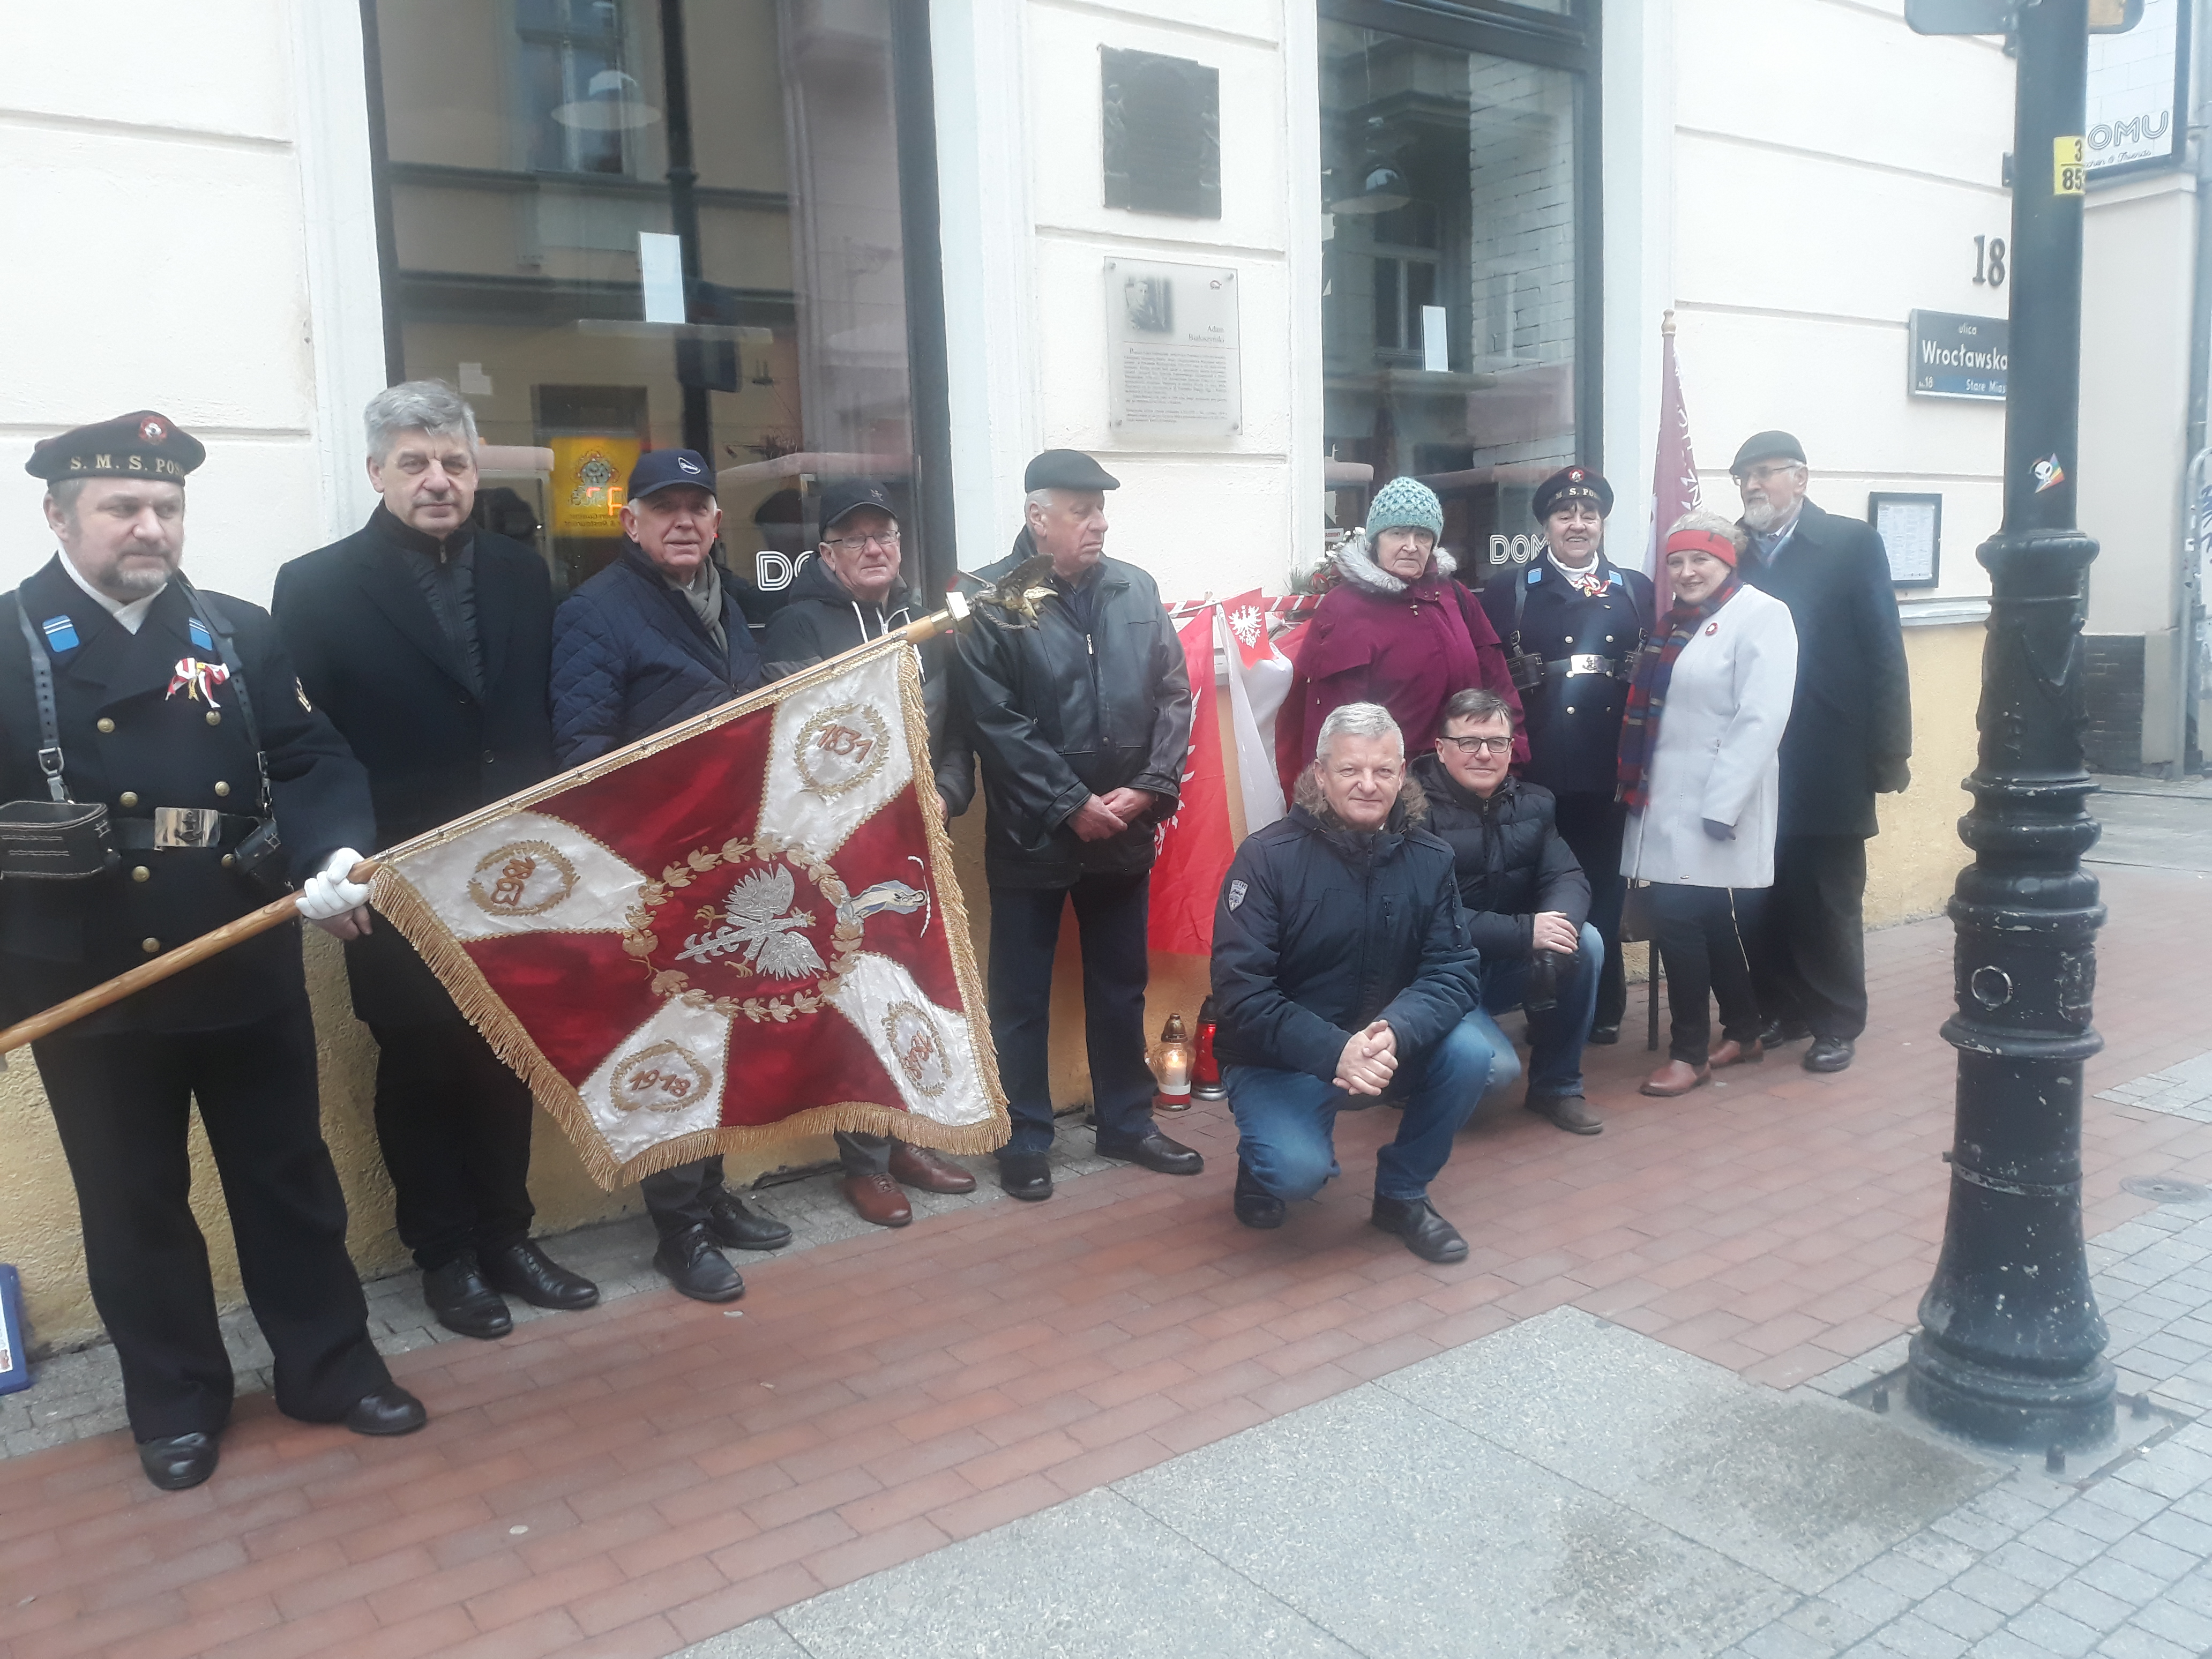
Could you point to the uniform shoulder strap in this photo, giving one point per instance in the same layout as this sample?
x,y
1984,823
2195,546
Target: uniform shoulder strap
x,y
42,687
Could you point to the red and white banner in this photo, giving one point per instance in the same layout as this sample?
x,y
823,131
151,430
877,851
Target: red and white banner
x,y
1192,850
741,932
1674,488
1259,680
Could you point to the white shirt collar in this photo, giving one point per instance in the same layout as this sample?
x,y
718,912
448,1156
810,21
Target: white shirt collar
x,y
1593,571
131,615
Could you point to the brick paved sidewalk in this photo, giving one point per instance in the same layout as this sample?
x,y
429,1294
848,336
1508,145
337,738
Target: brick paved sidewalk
x,y
654,1472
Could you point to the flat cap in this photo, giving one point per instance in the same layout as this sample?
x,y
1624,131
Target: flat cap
x,y
658,469
1067,468
1571,484
141,445
1767,447
850,495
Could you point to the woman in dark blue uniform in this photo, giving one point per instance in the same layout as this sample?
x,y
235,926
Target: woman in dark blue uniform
x,y
1572,623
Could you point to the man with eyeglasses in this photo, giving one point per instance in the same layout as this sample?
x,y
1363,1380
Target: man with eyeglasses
x,y
1527,904
1849,738
850,593
654,638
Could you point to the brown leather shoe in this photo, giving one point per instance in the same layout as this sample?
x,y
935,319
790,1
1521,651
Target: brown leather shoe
x,y
877,1199
1729,1052
917,1166
1676,1077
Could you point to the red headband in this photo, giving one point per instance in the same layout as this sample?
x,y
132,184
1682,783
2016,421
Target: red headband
x,y
1703,541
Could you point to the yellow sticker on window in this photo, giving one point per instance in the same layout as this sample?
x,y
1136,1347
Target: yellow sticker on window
x,y
2069,173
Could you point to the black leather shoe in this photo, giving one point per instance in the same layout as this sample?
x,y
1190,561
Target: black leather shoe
x,y
388,1410
1779,1031
690,1262
524,1270
1151,1151
1829,1054
1255,1205
180,1460
742,1229
1604,1035
1026,1175
1427,1234
464,1302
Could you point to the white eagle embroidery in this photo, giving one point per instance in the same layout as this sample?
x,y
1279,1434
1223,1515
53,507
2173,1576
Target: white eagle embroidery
x,y
763,927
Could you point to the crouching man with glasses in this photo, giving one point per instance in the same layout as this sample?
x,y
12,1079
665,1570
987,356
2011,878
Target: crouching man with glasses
x,y
1341,959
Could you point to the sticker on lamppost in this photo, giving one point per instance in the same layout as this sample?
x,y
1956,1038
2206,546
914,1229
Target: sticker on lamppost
x,y
1956,356
1172,355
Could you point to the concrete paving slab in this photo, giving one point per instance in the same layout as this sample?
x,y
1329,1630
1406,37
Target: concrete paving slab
x,y
1092,1578
761,1639
1798,1487
1411,1538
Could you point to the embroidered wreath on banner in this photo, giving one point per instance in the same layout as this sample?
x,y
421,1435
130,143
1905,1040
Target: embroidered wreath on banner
x,y
663,1077
748,928
841,749
915,1043
522,878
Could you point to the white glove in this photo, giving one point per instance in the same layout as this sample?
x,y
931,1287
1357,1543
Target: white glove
x,y
329,898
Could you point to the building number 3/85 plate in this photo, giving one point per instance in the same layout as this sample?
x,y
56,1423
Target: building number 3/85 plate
x,y
2069,172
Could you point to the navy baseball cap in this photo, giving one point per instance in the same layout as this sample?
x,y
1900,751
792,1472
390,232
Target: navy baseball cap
x,y
657,468
850,495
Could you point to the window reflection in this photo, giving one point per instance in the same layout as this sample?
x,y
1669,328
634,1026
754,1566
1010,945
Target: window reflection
x,y
532,145
1449,314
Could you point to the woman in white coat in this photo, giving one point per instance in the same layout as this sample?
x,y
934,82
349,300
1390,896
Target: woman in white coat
x,y
1699,777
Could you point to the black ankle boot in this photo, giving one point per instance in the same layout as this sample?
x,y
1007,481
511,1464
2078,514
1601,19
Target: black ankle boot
x,y
1255,1205
1427,1234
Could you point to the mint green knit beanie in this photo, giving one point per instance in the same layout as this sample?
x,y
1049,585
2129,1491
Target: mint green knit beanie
x,y
1405,504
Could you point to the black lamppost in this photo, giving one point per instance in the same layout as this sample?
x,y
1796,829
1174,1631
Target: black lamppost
x,y
684,219
2011,1346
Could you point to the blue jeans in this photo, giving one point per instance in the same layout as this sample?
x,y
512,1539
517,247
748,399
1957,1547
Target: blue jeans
x,y
1286,1120
1555,1038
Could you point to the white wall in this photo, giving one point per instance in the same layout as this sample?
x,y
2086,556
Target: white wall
x,y
1027,236
189,192
1831,171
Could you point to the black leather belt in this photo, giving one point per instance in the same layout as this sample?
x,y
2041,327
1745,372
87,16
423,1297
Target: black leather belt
x,y
1622,668
174,827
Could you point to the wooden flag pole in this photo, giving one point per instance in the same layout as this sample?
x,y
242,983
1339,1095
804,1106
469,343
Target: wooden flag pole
x,y
277,912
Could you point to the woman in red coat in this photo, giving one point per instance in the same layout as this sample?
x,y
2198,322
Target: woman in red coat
x,y
1397,629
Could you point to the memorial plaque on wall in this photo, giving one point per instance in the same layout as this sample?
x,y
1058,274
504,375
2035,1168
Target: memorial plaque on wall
x,y
1163,134
1171,353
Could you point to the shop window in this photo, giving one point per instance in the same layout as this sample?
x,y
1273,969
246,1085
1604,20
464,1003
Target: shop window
x,y
618,225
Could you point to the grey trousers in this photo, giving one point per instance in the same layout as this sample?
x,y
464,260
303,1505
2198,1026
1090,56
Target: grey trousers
x,y
680,1199
865,1155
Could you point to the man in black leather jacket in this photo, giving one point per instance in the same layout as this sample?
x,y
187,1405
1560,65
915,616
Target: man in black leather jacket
x,y
1527,904
1081,723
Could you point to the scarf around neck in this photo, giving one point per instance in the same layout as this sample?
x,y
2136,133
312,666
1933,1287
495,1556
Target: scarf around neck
x,y
1647,696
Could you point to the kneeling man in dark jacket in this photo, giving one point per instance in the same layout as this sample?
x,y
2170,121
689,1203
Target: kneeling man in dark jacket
x,y
1341,959
1527,903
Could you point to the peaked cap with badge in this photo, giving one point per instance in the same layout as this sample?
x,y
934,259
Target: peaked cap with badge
x,y
1571,484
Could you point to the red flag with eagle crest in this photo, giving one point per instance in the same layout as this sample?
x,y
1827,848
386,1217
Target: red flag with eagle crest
x,y
739,932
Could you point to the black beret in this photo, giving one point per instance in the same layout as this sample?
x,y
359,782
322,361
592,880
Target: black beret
x,y
1766,446
1571,484
850,495
144,445
1067,468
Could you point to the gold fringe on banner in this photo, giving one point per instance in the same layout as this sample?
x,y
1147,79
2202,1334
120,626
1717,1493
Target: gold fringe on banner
x,y
396,899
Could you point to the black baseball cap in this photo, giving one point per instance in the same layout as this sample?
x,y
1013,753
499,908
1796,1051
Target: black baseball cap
x,y
850,495
1766,446
657,468
1067,468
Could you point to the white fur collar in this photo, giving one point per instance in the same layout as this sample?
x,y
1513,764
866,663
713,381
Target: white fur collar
x,y
1354,564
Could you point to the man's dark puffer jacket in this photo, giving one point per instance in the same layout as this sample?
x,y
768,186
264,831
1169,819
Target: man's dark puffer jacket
x,y
1320,931
1507,856
629,659
819,619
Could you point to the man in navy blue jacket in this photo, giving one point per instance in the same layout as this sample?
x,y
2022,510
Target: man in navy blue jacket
x,y
654,638
1341,958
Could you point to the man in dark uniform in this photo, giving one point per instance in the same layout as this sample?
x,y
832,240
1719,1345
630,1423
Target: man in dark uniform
x,y
1572,624
426,640
1850,739
1082,724
160,698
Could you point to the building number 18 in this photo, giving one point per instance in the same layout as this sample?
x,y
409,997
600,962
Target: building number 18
x,y
1989,261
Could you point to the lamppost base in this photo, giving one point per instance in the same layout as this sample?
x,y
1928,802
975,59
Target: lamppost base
x,y
2009,1408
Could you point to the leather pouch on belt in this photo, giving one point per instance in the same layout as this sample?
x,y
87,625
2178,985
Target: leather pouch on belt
x,y
54,840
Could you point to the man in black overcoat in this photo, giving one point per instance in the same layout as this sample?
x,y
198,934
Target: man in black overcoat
x,y
122,685
1850,739
426,639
